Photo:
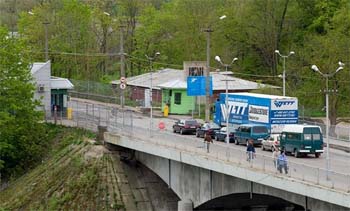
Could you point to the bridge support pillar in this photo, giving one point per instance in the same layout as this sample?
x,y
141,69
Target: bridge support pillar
x,y
185,205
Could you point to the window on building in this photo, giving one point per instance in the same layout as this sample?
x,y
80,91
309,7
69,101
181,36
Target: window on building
x,y
177,98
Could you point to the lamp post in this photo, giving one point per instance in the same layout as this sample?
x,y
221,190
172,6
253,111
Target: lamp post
x,y
150,60
45,23
284,68
122,59
207,72
217,58
327,76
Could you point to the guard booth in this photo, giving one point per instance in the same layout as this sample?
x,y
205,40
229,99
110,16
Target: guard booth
x,y
59,94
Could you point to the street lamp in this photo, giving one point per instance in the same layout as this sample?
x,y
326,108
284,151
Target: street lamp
x,y
327,76
46,39
207,72
217,58
122,59
150,60
284,68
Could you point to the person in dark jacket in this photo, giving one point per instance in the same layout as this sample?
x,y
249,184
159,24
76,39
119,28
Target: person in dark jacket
x,y
207,140
250,150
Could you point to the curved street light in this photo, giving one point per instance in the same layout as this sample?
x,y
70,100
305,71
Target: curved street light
x,y
45,23
151,60
207,72
327,76
284,68
218,59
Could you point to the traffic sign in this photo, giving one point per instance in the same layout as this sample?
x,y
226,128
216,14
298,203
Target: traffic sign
x,y
122,86
122,79
161,125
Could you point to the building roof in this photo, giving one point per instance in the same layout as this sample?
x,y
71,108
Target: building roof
x,y
37,66
60,83
158,77
173,78
174,84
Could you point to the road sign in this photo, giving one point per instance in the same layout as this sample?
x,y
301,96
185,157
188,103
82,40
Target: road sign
x,y
122,79
161,125
196,86
122,86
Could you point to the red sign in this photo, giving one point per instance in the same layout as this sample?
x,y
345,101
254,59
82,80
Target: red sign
x,y
161,125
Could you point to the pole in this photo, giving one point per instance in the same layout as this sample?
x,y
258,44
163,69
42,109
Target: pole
x,y
227,111
122,64
46,42
327,128
151,109
284,76
207,74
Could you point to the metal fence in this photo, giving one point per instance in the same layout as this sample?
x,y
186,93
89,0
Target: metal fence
x,y
129,123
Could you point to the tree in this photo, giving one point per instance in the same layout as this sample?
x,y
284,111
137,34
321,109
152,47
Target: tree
x,y
21,135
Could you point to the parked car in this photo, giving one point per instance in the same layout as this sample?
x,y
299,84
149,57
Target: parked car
x,y
185,126
270,142
221,134
207,128
253,132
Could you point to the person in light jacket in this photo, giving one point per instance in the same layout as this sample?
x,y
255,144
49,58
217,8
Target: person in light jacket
x,y
282,162
275,153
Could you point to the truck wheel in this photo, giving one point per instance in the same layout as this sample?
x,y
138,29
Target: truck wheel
x,y
236,141
181,132
296,153
317,155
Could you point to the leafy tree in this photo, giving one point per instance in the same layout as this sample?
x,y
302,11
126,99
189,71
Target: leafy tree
x,y
21,136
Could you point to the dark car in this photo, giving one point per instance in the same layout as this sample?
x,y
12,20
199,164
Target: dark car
x,y
207,128
185,126
221,134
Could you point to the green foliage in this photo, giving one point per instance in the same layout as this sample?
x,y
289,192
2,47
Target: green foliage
x,y
22,137
317,30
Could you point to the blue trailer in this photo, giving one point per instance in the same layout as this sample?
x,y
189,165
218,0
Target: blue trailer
x,y
251,108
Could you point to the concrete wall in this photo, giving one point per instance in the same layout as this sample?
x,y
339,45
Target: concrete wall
x,y
200,178
42,78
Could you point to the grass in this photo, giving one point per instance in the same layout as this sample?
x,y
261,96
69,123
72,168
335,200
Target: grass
x,y
66,180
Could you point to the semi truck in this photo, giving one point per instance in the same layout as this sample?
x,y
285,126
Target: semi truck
x,y
251,108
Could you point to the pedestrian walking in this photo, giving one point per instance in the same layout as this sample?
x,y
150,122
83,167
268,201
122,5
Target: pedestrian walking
x,y
275,153
282,162
207,140
250,150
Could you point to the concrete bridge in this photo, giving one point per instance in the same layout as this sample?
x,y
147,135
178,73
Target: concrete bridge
x,y
222,176
198,177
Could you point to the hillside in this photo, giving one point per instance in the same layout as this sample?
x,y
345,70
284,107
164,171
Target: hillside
x,y
84,176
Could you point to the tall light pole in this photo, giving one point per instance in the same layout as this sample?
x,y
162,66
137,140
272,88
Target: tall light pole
x,y
327,76
217,58
207,73
284,68
45,23
150,60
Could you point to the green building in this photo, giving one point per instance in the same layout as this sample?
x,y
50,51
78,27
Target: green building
x,y
174,93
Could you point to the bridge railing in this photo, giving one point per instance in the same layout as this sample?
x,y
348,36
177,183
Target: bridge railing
x,y
127,123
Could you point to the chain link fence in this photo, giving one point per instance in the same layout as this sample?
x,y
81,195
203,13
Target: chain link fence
x,y
133,97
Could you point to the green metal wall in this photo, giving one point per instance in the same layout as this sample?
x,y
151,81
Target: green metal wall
x,y
186,105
